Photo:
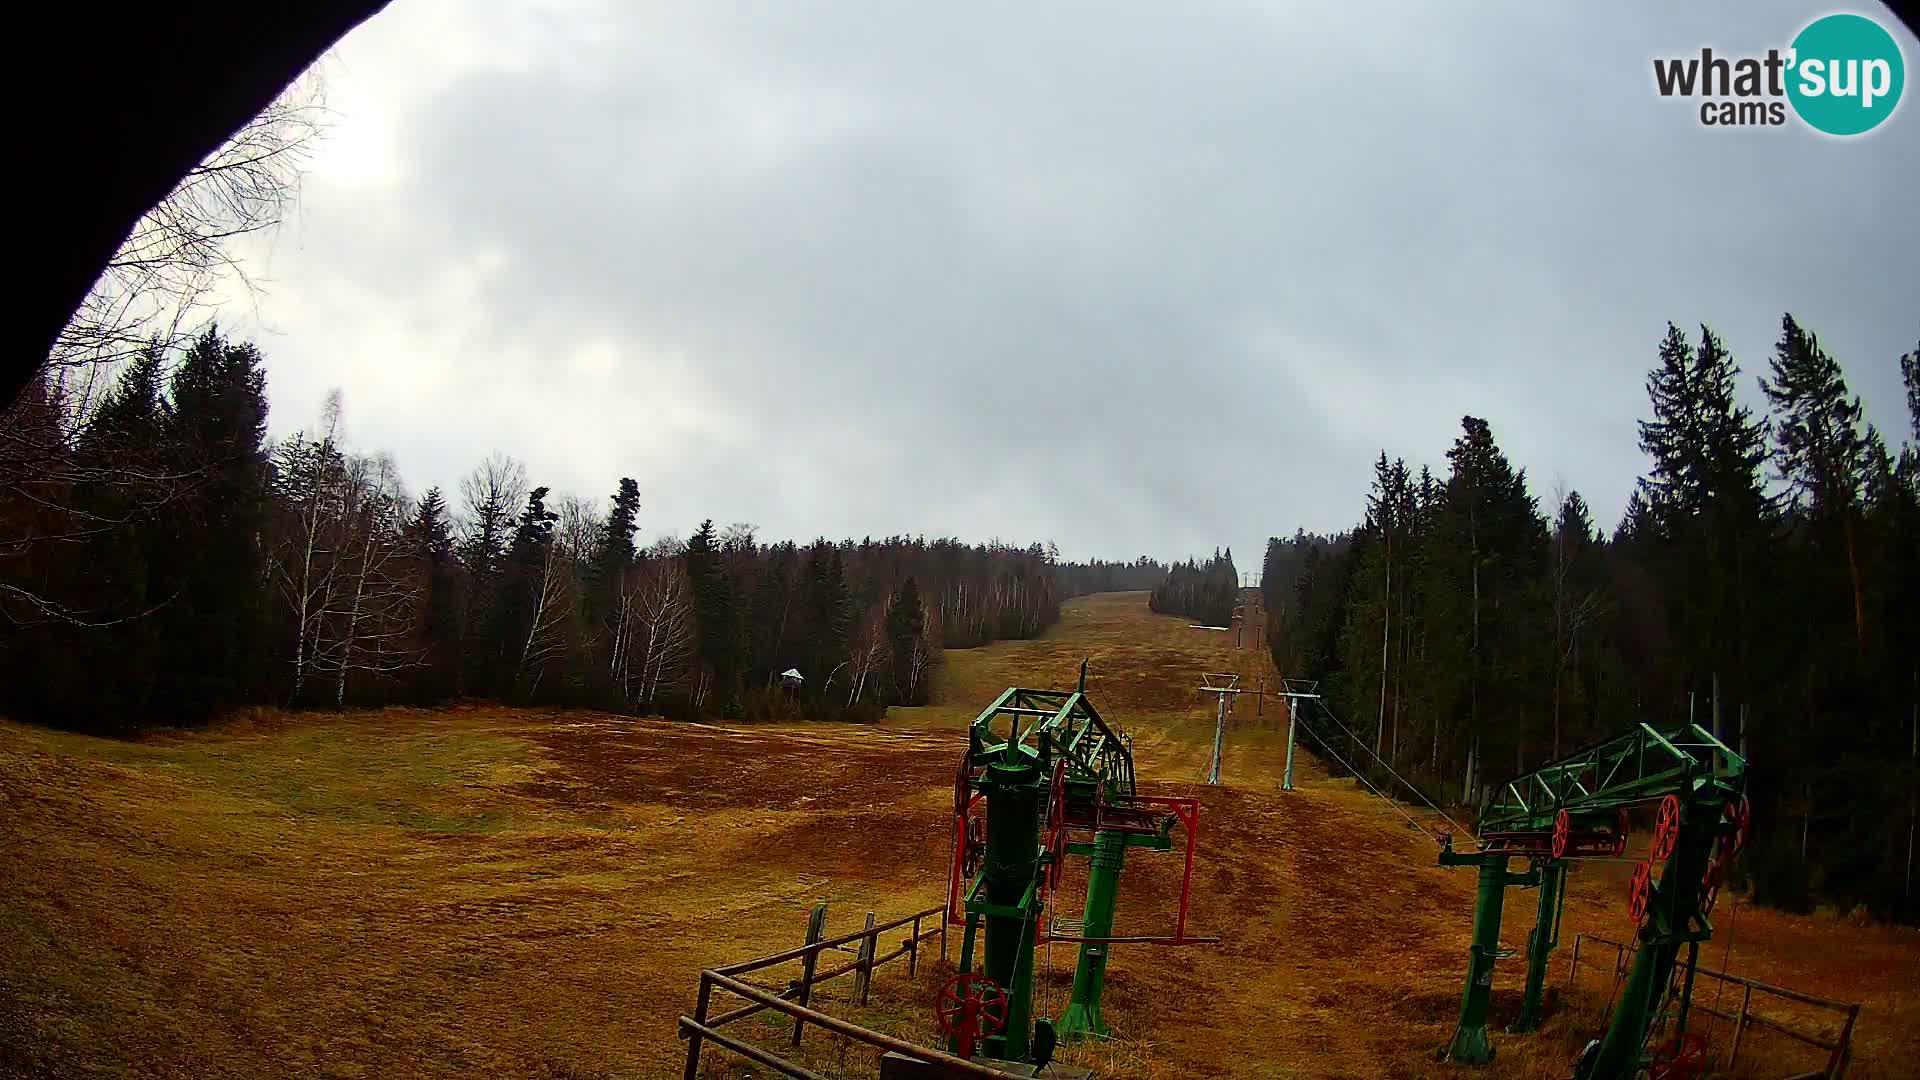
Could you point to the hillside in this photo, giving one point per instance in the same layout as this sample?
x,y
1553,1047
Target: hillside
x,y
488,891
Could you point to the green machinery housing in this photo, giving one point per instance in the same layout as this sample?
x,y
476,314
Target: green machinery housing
x,y
1577,808
1048,768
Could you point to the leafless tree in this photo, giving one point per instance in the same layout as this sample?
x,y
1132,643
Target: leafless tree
x,y
867,653
553,599
161,280
491,496
921,654
376,608
311,481
662,627
149,297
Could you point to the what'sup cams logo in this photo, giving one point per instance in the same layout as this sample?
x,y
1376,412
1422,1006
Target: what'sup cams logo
x,y
1842,75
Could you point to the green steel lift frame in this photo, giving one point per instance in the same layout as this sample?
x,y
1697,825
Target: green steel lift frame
x,y
1576,808
1046,765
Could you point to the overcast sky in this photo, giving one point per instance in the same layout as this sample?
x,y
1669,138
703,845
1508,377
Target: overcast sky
x,y
1132,277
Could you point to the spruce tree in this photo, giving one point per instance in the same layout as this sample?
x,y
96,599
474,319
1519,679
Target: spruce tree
x,y
613,553
906,625
440,630
213,631
1820,450
717,611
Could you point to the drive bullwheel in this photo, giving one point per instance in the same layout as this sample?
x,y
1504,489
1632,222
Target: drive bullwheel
x,y
969,1008
1683,1057
1056,838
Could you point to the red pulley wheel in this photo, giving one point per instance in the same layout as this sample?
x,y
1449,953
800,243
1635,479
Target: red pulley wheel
x,y
1709,888
1740,813
963,784
1562,831
968,1008
1666,828
1683,1057
1639,892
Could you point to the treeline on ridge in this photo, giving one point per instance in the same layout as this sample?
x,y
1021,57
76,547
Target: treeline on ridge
x,y
1206,592
1763,581
169,561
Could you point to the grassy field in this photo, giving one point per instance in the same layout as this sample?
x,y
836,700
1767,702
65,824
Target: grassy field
x,y
485,891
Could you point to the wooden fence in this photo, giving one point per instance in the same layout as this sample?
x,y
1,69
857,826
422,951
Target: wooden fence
x,y
1839,1045
864,944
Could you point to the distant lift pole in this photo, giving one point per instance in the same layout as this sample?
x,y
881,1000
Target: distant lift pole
x,y
1294,698
1223,686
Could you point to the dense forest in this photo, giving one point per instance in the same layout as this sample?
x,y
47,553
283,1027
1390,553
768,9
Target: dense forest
x,y
1098,576
166,561
1205,592
1763,581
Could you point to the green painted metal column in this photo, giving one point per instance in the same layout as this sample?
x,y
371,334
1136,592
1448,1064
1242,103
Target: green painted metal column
x,y
1083,1019
1670,910
1013,792
1470,1045
1541,943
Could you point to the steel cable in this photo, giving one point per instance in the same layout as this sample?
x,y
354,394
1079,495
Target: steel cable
x,y
1363,779
1403,780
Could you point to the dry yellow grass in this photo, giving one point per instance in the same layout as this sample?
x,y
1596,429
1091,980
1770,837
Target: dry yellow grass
x,y
482,891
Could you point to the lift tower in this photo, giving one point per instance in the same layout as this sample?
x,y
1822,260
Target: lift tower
x,y
1046,765
1577,808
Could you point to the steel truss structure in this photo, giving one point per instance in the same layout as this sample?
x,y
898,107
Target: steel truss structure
x,y
1578,808
1041,766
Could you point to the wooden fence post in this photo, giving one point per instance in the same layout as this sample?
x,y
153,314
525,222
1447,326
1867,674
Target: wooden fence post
x,y
913,949
863,975
1740,1025
1837,1066
816,931
693,1037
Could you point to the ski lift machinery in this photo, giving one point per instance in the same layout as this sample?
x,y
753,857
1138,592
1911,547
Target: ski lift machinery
x,y
1044,777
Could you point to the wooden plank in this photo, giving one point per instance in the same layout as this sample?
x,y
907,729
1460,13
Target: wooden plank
x,y
863,979
816,928
1775,1025
955,1065
746,1050
693,1040
800,952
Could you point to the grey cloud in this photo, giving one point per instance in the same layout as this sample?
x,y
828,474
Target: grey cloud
x,y
1135,278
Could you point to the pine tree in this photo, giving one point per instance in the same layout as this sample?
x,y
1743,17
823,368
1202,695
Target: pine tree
x,y
717,611
906,632
440,630
613,552
829,619
1704,492
1820,448
1497,538
213,633
519,616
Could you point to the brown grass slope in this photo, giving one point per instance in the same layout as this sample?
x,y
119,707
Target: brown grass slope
x,y
484,891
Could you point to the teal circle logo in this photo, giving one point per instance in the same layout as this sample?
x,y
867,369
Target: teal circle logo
x,y
1846,74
